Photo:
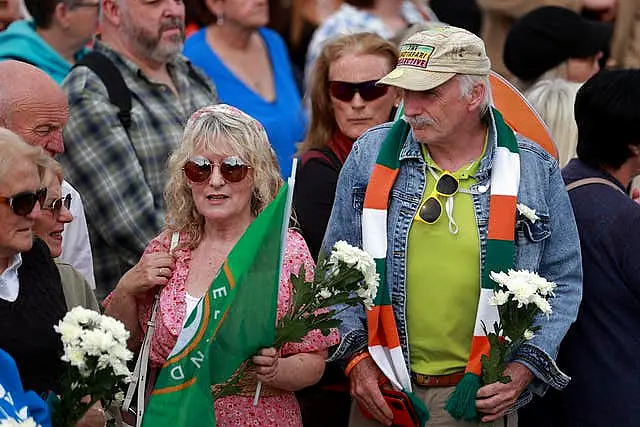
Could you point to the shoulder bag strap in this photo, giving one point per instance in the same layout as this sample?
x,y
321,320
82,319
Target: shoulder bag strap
x,y
588,181
139,377
119,93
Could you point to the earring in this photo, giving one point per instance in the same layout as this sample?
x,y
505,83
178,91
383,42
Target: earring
x,y
220,19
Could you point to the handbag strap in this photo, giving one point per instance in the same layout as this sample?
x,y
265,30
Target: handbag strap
x,y
139,377
595,180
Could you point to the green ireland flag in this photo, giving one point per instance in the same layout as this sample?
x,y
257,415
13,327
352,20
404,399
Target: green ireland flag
x,y
231,323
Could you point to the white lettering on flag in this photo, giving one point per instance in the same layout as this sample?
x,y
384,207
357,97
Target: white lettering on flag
x,y
197,360
219,292
177,373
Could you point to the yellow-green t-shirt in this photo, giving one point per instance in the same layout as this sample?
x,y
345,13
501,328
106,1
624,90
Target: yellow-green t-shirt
x,y
443,280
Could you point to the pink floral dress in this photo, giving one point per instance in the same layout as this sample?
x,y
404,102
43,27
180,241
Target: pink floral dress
x,y
279,410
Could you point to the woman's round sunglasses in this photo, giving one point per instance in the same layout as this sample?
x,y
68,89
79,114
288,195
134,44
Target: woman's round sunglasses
x,y
57,204
199,169
23,203
345,91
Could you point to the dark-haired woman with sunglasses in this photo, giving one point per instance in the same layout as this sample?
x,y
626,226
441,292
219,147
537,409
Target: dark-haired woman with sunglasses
x,y
221,177
345,102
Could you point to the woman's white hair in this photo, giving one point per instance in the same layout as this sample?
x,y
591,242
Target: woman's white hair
x,y
554,100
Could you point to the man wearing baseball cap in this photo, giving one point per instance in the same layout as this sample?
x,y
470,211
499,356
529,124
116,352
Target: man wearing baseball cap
x,y
440,199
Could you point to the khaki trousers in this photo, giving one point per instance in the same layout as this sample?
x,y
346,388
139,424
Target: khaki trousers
x,y
434,398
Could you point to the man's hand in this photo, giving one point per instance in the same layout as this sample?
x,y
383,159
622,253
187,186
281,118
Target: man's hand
x,y
365,390
493,400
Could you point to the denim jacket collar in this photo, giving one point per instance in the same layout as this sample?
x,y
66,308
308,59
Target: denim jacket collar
x,y
411,150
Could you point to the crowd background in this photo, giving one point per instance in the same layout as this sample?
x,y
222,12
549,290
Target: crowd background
x,y
306,71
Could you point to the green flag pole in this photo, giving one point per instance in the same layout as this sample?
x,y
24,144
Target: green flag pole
x,y
287,214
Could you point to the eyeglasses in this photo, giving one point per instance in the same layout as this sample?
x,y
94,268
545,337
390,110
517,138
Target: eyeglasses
x,y
86,4
345,91
431,209
199,169
57,204
22,204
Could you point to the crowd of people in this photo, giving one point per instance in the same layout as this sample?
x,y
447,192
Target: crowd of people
x,y
139,140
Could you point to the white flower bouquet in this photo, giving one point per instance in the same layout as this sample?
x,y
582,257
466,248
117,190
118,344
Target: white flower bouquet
x,y
346,277
95,350
521,295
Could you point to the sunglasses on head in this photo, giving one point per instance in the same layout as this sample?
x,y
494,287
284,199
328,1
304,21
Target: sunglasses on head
x,y
22,204
431,209
57,204
345,91
199,169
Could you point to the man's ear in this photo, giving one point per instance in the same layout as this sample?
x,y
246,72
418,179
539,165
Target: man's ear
x,y
477,95
635,150
61,15
110,11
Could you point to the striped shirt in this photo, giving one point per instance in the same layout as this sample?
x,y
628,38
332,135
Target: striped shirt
x,y
122,176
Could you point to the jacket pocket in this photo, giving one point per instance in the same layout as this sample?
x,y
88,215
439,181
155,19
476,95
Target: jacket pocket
x,y
532,232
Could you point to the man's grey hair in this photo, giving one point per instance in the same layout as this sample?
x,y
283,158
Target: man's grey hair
x,y
467,81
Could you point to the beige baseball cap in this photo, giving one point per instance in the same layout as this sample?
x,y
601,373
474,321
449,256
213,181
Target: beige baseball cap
x,y
430,58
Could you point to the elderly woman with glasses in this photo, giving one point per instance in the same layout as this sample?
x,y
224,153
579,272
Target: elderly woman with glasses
x,y
221,177
31,297
49,225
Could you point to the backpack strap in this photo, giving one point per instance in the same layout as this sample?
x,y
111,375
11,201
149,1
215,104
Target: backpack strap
x,y
119,93
588,181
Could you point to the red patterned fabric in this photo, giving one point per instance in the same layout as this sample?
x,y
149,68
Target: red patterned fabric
x,y
281,410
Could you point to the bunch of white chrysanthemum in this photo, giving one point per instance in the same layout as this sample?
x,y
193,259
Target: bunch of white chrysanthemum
x,y
520,296
95,347
87,334
524,287
10,422
360,260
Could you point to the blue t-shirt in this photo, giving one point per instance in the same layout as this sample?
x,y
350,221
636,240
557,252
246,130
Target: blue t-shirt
x,y
283,118
15,403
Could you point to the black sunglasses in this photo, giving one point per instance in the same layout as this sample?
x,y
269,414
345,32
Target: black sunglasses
x,y
345,91
22,204
431,209
57,204
232,169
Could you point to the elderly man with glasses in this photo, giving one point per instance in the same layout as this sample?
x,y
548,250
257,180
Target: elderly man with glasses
x,y
440,199
55,38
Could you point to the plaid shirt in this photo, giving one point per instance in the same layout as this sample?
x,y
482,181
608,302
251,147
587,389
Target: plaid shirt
x,y
122,178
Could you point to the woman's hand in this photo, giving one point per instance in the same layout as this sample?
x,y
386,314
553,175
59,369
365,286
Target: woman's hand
x,y
266,362
94,417
153,269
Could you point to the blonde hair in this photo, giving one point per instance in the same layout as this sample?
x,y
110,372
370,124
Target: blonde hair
x,y
323,123
52,165
205,129
554,100
14,149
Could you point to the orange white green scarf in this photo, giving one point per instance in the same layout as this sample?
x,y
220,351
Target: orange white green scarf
x,y
384,342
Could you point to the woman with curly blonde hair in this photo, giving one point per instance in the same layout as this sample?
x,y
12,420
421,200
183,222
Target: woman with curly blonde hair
x,y
221,177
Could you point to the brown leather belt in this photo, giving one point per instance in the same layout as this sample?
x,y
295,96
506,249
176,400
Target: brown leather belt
x,y
437,380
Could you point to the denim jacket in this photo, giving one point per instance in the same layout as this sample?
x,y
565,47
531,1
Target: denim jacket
x,y
548,246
